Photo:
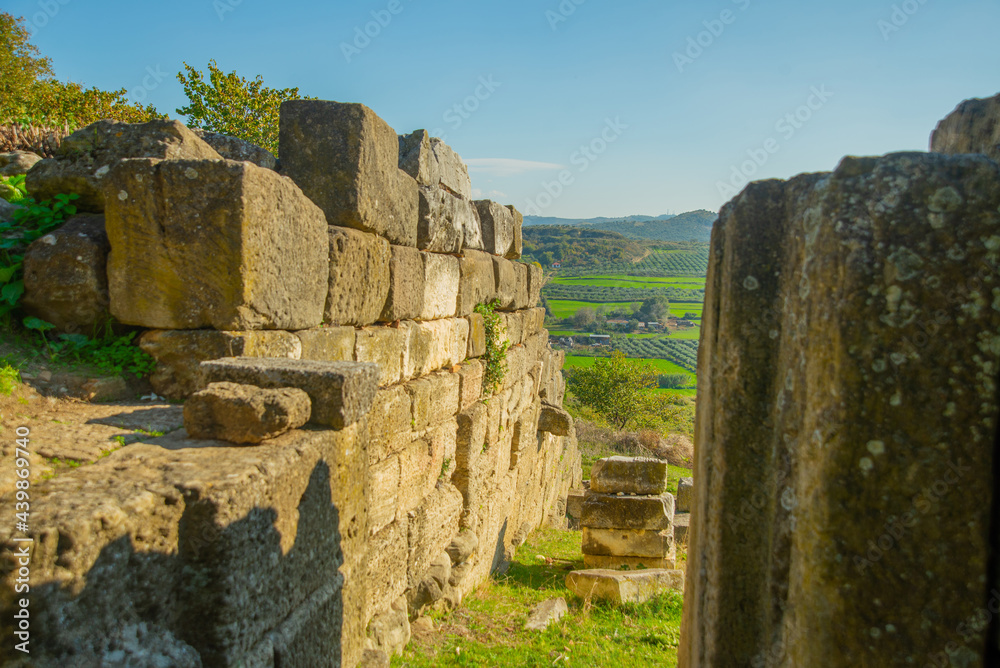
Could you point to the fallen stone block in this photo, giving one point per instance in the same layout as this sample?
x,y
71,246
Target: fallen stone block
x,y
235,247
443,219
545,613
433,163
629,475
85,158
628,542
476,282
346,160
66,276
324,344
15,163
608,511
685,494
554,420
341,392
359,277
234,148
244,413
405,297
623,587
441,279
497,223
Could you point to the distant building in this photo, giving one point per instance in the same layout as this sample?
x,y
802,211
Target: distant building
x,y
617,322
556,265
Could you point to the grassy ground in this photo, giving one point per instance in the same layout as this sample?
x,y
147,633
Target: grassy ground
x,y
621,281
488,630
663,366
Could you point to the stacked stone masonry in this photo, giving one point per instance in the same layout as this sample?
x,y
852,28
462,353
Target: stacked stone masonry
x,y
343,283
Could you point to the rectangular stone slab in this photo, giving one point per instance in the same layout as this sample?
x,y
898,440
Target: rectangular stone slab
x,y
629,563
405,297
341,392
607,511
628,542
497,223
623,587
629,475
443,219
359,277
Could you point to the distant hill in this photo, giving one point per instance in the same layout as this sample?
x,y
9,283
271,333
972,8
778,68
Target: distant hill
x,y
690,226
576,246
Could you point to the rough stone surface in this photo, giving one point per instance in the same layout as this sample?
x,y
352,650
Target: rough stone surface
x,y
179,353
608,511
382,346
341,392
847,368
628,542
545,613
390,631
17,162
85,158
66,276
462,547
405,297
443,220
630,475
685,494
7,210
497,223
244,413
233,148
476,283
682,522
433,163
234,247
359,277
441,279
574,503
974,127
522,297
625,563
477,336
517,243
555,420
536,279
623,587
504,281
324,344
346,160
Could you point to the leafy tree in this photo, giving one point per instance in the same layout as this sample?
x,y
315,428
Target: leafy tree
x,y
584,318
232,105
655,309
616,388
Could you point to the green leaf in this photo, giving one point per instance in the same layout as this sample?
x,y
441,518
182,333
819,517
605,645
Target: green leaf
x,y
31,322
12,292
7,273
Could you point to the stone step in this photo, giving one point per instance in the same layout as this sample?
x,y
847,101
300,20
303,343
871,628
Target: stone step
x,y
624,587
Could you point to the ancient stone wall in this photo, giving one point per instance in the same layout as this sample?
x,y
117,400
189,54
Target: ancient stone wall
x,y
364,249
844,510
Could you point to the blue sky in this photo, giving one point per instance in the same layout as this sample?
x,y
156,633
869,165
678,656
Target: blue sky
x,y
574,108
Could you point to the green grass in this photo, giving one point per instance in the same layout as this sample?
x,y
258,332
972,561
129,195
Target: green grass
x,y
10,379
565,309
622,281
663,366
488,630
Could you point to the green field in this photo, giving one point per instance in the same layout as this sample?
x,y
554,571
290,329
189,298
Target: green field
x,y
565,309
663,366
622,281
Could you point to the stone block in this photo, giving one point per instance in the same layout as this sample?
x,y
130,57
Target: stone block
x,y
477,336
359,277
619,563
390,423
685,494
470,383
629,475
442,439
342,392
433,163
179,353
443,220
84,158
421,396
445,394
325,344
628,542
555,420
504,282
476,283
517,243
546,613
536,280
497,223
607,511
234,148
417,342
974,127
346,160
244,413
574,503
417,475
459,340
682,522
441,279
235,247
462,547
405,297
15,163
389,632
431,528
386,574
382,346
383,493
512,325
66,276
521,299
623,587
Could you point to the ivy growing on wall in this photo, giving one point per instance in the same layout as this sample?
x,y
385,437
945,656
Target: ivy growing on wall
x,y
495,358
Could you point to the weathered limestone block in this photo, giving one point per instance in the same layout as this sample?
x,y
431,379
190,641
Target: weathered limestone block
x,y
574,504
555,420
627,542
504,282
536,280
459,340
546,613
405,298
513,324
244,413
608,511
433,163
421,396
473,468
85,158
346,160
443,219
974,127
382,346
631,475
462,547
858,305
390,423
682,522
17,162
234,247
623,587
179,354
431,528
477,336
521,292
476,282
630,563
383,493
497,223
442,440
233,148
685,494
441,279
517,243
386,574
325,344
470,383
445,395
418,475
66,276
390,632
359,277
341,392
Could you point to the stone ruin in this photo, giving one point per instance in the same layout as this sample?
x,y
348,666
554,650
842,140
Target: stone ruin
x,y
845,512
319,311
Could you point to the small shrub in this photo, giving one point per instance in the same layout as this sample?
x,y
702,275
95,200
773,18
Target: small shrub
x,y
495,358
674,381
10,378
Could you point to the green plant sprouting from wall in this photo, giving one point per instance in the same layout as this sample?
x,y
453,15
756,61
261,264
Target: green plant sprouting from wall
x,y
495,358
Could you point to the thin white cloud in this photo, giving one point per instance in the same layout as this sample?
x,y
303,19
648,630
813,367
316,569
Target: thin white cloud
x,y
479,193
507,166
